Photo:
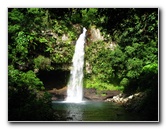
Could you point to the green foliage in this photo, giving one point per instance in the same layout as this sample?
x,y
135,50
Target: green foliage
x,y
100,85
124,82
33,39
43,40
24,79
42,63
134,67
19,50
133,30
25,103
88,16
151,68
15,17
135,52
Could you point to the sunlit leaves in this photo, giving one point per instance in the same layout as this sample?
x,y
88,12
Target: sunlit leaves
x,y
23,79
19,49
151,68
101,85
14,28
43,40
16,16
35,11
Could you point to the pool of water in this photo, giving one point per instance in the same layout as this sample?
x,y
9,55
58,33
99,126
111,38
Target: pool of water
x,y
95,111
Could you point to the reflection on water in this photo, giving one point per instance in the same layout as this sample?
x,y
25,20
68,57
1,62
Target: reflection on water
x,y
95,111
76,114
72,111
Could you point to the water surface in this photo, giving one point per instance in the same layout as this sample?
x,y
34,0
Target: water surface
x,y
95,111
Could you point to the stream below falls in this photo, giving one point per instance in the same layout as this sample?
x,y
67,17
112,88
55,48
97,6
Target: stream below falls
x,y
94,111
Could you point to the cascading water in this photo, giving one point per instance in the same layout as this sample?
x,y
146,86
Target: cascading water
x,y
75,84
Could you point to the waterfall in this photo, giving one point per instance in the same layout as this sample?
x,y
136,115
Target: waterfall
x,y
75,84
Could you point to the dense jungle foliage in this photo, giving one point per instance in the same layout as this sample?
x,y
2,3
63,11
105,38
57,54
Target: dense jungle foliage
x,y
43,39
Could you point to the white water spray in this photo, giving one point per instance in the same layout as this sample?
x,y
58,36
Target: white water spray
x,y
75,84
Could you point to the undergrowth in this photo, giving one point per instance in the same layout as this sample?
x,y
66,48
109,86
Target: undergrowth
x,y
99,85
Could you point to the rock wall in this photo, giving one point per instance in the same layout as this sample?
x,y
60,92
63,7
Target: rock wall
x,y
94,35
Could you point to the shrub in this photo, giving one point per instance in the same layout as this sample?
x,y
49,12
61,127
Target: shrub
x,y
24,101
124,82
42,62
24,79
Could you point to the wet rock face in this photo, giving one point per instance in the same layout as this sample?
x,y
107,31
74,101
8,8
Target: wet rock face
x,y
88,67
89,94
93,94
62,91
58,94
94,35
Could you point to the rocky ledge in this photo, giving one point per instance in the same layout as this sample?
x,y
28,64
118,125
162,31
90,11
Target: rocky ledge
x,y
89,94
130,102
122,98
96,95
